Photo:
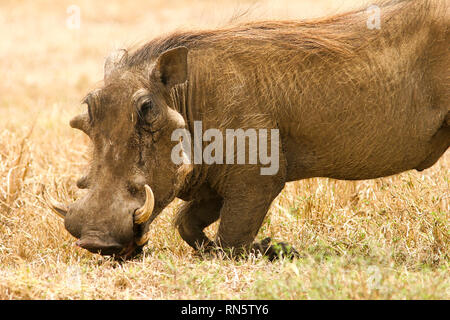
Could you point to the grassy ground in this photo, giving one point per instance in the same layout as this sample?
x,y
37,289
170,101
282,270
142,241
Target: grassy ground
x,y
380,239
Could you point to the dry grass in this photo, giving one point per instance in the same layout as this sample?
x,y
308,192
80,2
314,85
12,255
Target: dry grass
x,y
380,239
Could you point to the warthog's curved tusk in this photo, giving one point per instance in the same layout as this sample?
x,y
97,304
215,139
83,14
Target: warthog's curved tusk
x,y
143,214
56,207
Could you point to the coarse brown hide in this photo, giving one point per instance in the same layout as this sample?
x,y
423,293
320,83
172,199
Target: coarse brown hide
x,y
349,103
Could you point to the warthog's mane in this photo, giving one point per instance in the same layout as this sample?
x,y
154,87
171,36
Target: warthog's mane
x,y
343,34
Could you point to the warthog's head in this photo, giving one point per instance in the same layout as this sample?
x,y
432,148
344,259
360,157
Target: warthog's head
x,y
131,178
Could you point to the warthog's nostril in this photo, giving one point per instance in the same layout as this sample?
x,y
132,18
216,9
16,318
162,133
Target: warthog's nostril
x,y
96,245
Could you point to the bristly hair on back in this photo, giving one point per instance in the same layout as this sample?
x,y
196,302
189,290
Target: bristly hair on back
x,y
342,34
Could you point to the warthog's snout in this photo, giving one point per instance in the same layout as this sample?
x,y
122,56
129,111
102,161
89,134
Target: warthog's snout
x,y
100,244
113,229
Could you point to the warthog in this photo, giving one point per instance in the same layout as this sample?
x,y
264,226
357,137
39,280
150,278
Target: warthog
x,y
349,102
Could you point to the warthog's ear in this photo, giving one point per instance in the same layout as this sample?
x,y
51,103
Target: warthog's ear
x,y
171,67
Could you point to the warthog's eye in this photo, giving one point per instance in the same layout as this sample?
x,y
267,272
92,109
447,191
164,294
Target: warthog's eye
x,y
146,111
150,114
145,108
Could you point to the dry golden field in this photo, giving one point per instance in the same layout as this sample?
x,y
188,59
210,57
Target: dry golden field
x,y
379,239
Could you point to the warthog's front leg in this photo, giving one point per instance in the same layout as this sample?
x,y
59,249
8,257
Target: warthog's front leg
x,y
193,217
275,250
241,217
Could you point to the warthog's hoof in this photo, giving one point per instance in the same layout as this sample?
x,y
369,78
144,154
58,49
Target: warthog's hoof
x,y
275,251
265,248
